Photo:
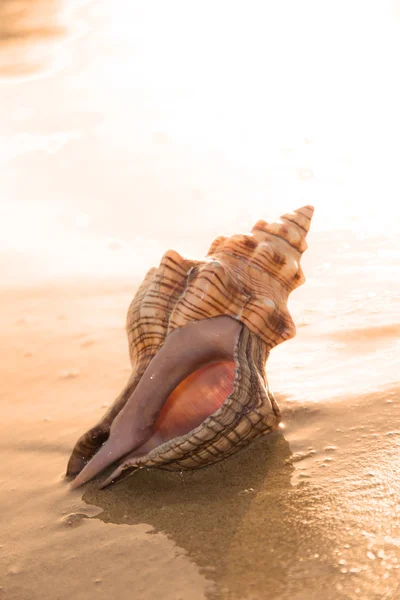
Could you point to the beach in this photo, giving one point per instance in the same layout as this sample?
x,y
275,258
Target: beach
x,y
315,502
108,157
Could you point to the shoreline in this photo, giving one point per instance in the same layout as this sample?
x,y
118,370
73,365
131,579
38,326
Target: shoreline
x,y
312,502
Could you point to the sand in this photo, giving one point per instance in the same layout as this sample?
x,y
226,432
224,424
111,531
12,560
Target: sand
x,y
308,511
116,144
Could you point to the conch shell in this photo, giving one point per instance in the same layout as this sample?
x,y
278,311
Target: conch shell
x,y
200,332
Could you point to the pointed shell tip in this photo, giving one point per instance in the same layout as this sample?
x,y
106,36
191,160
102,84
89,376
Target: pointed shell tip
x,y
307,210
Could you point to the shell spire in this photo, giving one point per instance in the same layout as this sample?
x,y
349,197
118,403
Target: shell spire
x,y
265,267
291,227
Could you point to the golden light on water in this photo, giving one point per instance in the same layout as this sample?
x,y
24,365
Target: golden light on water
x,y
173,122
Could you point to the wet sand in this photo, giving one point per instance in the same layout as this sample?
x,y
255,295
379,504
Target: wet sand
x,y
123,134
308,511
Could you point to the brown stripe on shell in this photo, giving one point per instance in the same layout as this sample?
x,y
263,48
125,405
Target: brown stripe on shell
x,y
307,212
300,219
265,259
283,231
216,244
293,220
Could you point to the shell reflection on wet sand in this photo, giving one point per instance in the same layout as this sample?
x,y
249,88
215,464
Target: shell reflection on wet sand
x,y
200,332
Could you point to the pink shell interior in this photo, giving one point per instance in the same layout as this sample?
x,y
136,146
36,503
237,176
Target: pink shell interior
x,y
197,397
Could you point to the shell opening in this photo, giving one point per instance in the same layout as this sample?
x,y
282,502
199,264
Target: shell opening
x,y
187,380
197,397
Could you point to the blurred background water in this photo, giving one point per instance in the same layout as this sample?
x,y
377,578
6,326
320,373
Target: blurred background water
x,y
127,128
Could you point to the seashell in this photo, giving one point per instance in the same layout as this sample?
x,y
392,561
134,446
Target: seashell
x,y
199,333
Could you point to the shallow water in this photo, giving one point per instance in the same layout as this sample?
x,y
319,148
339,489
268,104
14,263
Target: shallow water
x,y
110,152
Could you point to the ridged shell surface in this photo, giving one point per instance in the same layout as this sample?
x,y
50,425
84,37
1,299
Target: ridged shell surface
x,y
247,277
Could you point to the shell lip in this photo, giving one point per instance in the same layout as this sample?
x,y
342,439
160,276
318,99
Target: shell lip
x,y
129,465
190,347
124,468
